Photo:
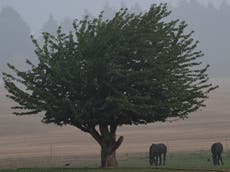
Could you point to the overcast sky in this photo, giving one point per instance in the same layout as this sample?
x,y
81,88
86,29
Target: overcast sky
x,y
36,12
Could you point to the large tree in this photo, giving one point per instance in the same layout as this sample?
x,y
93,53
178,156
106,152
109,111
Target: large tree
x,y
132,69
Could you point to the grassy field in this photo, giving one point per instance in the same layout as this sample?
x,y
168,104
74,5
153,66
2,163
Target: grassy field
x,y
115,170
111,170
27,145
182,162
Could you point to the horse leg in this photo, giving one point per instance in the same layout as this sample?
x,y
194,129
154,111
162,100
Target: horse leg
x,y
164,158
154,160
214,159
218,159
151,160
221,160
160,159
157,159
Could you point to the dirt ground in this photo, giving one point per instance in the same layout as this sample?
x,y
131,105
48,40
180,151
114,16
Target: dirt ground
x,y
25,137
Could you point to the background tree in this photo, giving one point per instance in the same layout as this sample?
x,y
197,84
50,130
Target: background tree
x,y
136,9
66,25
51,25
108,11
132,69
15,43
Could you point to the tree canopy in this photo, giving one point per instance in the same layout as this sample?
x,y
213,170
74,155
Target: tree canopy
x,y
131,69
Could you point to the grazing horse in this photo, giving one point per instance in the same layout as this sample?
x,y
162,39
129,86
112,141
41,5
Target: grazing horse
x,y
217,149
155,154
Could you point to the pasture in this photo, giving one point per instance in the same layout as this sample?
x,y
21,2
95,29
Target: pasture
x,y
27,145
110,170
183,162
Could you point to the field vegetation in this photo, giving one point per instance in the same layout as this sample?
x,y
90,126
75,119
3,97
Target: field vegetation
x,y
183,162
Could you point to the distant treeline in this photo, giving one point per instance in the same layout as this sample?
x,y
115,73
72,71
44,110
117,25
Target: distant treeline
x,y
210,24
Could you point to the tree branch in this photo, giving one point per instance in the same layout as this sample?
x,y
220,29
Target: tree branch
x,y
80,126
103,129
118,143
113,128
94,133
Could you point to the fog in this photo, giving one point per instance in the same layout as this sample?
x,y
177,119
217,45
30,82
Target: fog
x,y
36,13
20,19
27,137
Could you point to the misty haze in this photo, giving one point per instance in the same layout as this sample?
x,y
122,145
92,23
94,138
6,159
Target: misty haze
x,y
27,142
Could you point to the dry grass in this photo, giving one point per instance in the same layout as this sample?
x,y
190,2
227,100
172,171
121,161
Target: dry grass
x,y
27,138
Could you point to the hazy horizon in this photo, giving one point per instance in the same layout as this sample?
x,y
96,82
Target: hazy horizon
x,y
36,13
21,18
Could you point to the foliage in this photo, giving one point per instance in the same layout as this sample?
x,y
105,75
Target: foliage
x,y
129,70
132,69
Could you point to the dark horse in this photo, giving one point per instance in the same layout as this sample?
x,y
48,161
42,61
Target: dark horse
x,y
155,154
217,149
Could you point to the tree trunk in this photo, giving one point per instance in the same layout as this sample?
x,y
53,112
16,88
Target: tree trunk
x,y
108,156
106,137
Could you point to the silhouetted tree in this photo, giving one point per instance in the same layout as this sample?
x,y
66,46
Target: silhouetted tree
x,y
123,5
50,26
108,12
136,8
66,25
212,28
88,14
15,40
130,70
